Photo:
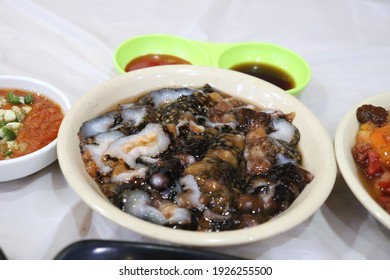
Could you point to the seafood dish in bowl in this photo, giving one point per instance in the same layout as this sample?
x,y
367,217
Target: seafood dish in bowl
x,y
363,156
196,155
371,152
195,158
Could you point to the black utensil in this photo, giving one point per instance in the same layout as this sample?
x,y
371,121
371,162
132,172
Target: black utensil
x,y
122,250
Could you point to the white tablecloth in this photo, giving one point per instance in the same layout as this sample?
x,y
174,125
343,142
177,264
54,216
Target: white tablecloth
x,y
70,44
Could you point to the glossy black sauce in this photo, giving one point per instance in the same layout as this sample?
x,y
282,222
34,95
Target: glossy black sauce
x,y
267,72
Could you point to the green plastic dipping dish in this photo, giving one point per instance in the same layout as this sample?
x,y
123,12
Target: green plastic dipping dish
x,y
272,63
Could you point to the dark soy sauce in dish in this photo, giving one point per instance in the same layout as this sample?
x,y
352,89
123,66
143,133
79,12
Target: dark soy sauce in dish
x,y
267,72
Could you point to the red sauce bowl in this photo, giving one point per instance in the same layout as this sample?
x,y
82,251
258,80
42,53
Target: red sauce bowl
x,y
18,167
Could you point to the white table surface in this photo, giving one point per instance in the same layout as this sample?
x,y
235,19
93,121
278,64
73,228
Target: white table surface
x,y
70,44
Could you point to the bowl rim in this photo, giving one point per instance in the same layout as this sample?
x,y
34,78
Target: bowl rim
x,y
65,109
233,237
344,157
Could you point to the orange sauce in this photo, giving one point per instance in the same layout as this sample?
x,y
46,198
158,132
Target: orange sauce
x,y
40,126
150,60
380,141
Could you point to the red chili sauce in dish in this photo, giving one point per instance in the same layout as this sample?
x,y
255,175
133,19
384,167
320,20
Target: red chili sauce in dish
x,y
371,152
36,123
151,60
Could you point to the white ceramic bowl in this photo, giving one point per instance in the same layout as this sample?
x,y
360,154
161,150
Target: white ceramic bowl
x,y
16,168
316,146
344,141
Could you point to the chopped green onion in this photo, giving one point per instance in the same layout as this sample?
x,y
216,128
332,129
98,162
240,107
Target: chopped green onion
x,y
28,98
12,98
9,134
2,123
8,153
